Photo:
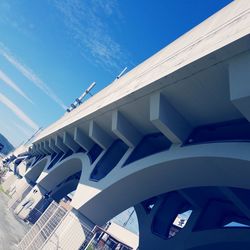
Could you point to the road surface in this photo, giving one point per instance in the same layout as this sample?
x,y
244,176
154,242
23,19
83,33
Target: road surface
x,y
11,230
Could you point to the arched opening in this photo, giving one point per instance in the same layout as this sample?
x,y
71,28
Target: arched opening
x,y
235,130
61,171
60,181
127,219
34,172
170,216
24,165
124,227
150,144
164,220
66,187
189,172
57,157
135,187
110,159
37,159
17,164
22,186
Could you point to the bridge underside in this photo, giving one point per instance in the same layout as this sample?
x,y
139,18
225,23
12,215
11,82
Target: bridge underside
x,y
206,184
171,137
214,219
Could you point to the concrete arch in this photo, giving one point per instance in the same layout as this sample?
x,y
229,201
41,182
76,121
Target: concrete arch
x,y
69,166
205,228
31,161
55,159
206,165
25,165
215,164
50,183
64,189
34,172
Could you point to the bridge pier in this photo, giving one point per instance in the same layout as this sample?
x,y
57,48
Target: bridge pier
x,y
30,201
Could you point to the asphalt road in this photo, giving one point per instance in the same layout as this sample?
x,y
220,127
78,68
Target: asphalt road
x,y
11,230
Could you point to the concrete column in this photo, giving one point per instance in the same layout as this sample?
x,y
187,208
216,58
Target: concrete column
x,y
53,146
31,199
124,129
44,148
97,134
83,140
70,143
59,144
239,82
35,149
40,148
47,147
168,120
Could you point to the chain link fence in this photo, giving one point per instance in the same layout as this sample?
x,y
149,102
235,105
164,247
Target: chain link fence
x,y
60,228
43,228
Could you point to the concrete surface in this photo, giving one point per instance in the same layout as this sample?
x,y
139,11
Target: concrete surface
x,y
11,230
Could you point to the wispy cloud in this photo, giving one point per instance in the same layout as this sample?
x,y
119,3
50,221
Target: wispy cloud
x,y
30,75
87,23
13,85
27,132
12,18
8,103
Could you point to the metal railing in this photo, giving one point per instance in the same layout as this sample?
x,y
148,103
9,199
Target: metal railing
x,y
43,228
71,234
59,228
102,240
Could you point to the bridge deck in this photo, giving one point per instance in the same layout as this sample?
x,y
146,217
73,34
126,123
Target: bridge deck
x,y
220,37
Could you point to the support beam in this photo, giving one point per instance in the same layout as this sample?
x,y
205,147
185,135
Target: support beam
x,y
236,201
194,200
168,120
98,135
124,129
38,149
239,79
83,140
59,143
35,149
41,149
47,147
43,146
69,142
53,146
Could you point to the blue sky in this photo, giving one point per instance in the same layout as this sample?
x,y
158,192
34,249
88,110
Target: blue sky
x,y
51,50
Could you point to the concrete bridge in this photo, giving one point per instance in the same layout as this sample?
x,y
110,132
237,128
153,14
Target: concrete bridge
x,y
170,136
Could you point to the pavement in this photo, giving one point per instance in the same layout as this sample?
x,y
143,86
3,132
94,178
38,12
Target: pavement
x,y
12,230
